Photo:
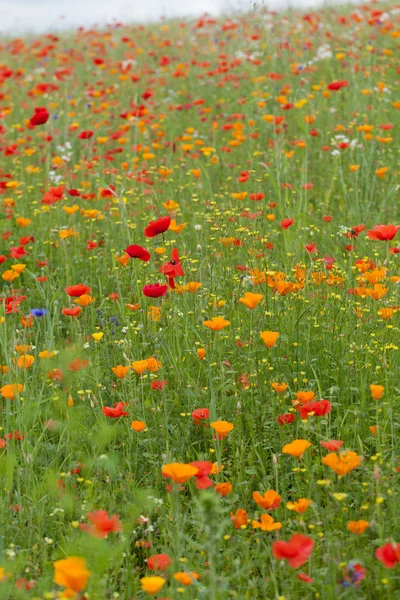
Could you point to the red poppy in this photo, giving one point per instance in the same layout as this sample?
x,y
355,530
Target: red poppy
x,y
318,408
332,445
159,562
173,268
338,85
135,251
202,480
40,117
355,231
23,584
327,218
17,252
286,223
311,248
55,375
156,227
71,312
154,290
304,577
383,232
389,555
102,524
200,414
85,135
286,419
77,290
296,551
158,384
77,364
116,411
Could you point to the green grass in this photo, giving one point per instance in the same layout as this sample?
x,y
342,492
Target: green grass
x,y
71,459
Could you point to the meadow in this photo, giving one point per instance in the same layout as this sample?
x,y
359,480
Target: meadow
x,y
199,321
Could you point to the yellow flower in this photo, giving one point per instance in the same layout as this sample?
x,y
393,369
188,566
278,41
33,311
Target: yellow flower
x,y
377,391
138,426
222,428
186,578
71,573
153,584
217,323
267,523
251,300
296,448
279,387
97,336
269,338
299,506
121,371
179,472
357,527
46,354
175,227
342,463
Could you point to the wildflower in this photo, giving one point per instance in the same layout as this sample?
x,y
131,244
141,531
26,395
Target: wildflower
x,y
296,448
138,426
156,227
140,366
179,472
172,269
217,323
135,251
269,338
202,480
116,411
102,524
267,523
71,573
10,390
377,391
304,397
279,387
25,361
299,506
38,312
353,575
332,445
251,300
239,518
200,414
342,463
154,290
317,409
223,489
71,312
77,290
285,419
357,527
152,585
97,336
186,578
201,353
159,562
383,232
389,554
121,371
40,117
222,428
286,223
269,501
296,551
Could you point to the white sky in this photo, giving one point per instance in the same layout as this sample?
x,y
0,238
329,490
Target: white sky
x,y
43,15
